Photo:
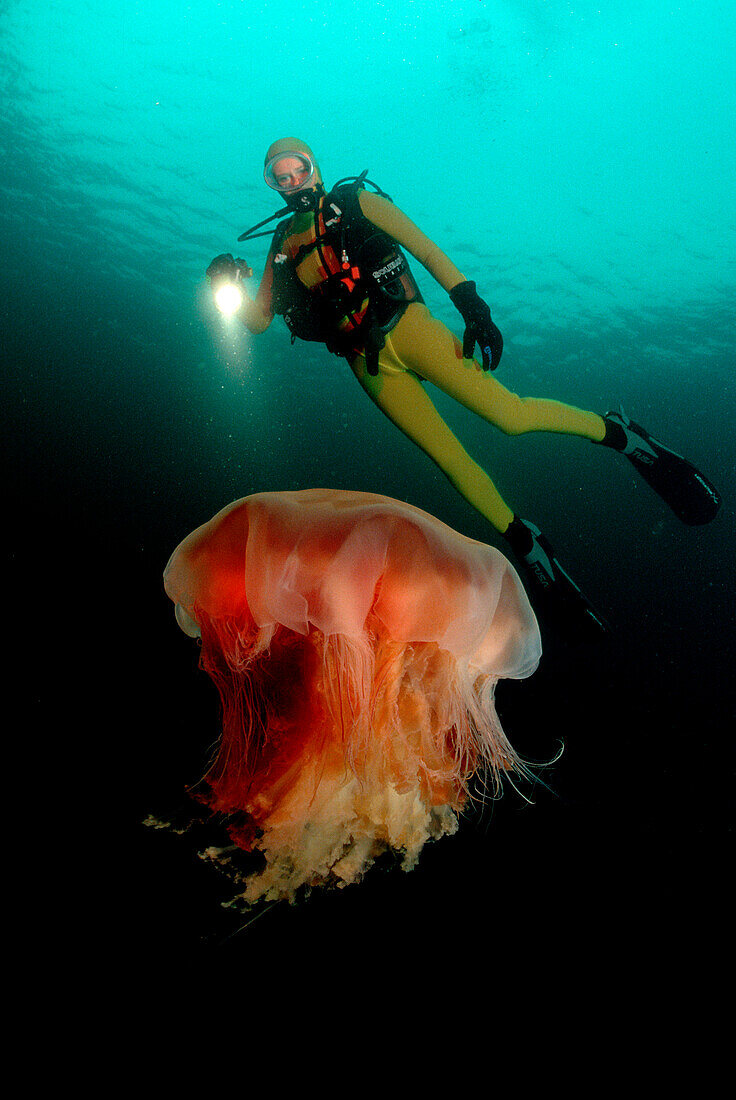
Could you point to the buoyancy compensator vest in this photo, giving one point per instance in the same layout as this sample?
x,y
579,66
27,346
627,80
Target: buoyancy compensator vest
x,y
368,285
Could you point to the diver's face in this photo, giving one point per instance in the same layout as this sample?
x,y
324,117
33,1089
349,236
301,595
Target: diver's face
x,y
290,173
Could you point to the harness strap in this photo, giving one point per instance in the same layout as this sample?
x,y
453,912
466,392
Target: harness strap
x,y
351,285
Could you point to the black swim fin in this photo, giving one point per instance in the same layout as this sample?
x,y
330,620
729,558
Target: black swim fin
x,y
690,495
552,587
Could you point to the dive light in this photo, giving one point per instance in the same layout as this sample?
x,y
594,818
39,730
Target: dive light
x,y
226,278
228,298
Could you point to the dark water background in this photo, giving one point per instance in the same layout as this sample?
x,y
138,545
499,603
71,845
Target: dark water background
x,y
134,414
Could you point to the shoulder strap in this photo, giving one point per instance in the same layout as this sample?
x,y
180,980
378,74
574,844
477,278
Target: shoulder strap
x,y
342,206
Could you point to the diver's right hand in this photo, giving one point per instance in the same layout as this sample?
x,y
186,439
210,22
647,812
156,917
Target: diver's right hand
x,y
227,268
479,327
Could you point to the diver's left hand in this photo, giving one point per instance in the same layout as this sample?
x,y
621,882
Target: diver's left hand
x,y
479,327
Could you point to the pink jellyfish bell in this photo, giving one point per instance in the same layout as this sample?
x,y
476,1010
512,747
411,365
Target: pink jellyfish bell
x,y
356,643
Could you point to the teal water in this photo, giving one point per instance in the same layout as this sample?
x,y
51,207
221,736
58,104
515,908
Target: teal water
x,y
577,160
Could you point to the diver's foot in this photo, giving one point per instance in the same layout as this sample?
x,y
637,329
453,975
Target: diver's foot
x,y
680,485
550,585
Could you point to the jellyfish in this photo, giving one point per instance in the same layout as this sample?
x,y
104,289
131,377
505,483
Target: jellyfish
x,y
356,643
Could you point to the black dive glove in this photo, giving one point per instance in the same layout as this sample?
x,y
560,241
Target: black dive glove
x,y
225,269
478,325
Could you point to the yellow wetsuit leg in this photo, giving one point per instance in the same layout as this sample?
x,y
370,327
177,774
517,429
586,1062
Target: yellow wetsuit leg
x,y
422,345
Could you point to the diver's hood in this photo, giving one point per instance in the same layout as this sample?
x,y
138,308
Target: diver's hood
x,y
303,194
306,195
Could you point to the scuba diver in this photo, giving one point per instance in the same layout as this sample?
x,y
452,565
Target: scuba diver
x,y
336,272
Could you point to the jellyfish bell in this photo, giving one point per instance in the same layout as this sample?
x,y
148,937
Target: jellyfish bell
x,y
186,622
356,643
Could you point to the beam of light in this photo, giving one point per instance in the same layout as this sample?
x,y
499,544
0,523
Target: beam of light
x,y
228,299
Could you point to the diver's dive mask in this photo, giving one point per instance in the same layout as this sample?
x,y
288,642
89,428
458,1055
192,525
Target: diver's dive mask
x,y
293,176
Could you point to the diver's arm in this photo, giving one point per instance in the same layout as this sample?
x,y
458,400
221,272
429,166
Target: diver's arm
x,y
479,326
256,314
387,217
